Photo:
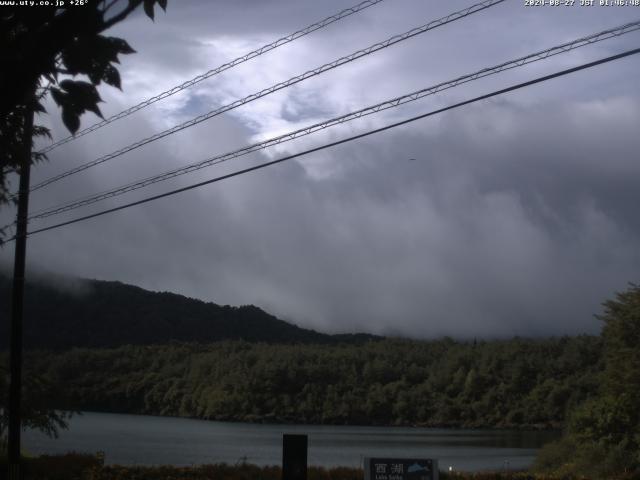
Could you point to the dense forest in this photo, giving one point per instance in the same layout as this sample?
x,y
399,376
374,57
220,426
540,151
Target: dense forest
x,y
515,383
62,313
138,354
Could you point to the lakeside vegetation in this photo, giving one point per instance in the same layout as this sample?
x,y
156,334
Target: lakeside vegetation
x,y
518,383
602,436
588,385
87,467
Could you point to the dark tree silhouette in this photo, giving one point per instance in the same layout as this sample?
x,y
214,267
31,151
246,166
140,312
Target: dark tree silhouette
x,y
42,51
603,434
40,44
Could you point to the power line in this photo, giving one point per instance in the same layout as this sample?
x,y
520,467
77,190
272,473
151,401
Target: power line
x,y
395,102
244,58
345,140
279,86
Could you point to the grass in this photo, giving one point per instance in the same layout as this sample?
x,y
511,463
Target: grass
x,y
70,466
75,466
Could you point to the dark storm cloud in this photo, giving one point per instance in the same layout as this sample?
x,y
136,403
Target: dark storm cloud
x,y
516,215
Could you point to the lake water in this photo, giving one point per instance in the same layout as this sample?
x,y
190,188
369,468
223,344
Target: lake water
x,y
147,440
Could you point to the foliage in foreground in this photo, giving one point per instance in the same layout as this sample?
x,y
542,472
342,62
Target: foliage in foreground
x,y
71,466
566,458
43,44
36,411
603,434
75,466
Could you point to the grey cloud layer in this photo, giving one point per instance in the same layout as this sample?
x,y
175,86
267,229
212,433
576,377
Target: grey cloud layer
x,y
517,216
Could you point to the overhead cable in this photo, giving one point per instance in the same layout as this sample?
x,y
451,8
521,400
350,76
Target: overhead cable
x,y
279,86
244,58
392,103
339,142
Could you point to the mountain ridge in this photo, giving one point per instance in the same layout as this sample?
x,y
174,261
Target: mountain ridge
x,y
100,313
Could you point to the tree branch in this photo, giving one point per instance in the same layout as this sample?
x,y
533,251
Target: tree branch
x,y
108,7
120,16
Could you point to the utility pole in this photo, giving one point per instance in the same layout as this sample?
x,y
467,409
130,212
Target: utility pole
x,y
17,299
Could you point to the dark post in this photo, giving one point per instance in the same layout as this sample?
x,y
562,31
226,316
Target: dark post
x,y
15,389
294,457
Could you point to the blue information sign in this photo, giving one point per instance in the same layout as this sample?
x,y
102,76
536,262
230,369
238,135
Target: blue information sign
x,y
400,469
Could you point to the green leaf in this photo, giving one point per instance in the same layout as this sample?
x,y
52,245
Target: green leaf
x,y
95,109
92,56
96,74
122,45
81,93
78,56
70,119
58,96
37,107
39,156
148,8
68,85
40,131
80,97
106,49
111,76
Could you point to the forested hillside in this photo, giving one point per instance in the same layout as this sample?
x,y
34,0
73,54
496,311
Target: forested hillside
x,y
172,355
515,383
91,313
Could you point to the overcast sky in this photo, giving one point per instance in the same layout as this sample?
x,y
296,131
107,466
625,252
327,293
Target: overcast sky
x,y
517,215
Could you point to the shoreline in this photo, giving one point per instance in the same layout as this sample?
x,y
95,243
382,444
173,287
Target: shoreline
x,y
76,466
288,422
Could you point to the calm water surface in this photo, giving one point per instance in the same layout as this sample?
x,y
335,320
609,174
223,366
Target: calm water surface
x,y
147,440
